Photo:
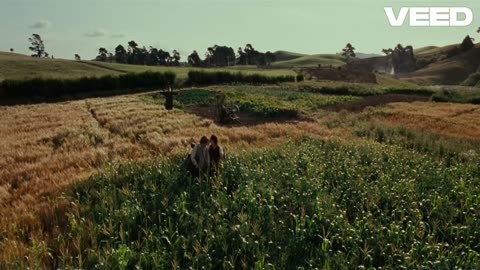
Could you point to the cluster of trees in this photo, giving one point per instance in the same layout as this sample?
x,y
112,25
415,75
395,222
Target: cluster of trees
x,y
401,58
216,56
250,56
135,55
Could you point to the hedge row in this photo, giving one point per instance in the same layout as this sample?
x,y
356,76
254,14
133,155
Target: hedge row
x,y
198,78
366,91
58,87
458,96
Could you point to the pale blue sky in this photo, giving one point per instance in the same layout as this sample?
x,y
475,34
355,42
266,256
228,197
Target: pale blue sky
x,y
306,26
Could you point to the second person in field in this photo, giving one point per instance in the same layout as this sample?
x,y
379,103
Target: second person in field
x,y
206,156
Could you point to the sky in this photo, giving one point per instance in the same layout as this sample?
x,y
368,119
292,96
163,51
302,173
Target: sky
x,y
71,27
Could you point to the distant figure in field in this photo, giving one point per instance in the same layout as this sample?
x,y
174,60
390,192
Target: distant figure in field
x,y
216,154
200,158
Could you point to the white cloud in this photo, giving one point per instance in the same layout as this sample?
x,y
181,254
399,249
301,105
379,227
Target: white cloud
x,y
41,24
117,36
96,33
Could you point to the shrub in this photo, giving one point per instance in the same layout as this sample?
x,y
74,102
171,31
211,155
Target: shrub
x,y
52,88
300,78
472,80
458,96
200,78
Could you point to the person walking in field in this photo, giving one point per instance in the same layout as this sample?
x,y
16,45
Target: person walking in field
x,y
216,154
200,158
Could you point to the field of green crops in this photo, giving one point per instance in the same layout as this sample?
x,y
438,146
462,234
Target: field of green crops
x,y
265,102
306,204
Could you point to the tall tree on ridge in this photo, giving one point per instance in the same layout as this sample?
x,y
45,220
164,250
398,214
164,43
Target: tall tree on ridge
x,y
349,52
37,46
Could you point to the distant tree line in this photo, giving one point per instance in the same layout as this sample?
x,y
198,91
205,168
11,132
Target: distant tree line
x,y
136,55
215,56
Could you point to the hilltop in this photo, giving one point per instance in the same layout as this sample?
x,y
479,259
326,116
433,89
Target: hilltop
x,y
19,66
293,59
445,70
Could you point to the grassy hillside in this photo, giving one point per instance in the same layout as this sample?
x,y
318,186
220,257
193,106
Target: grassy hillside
x,y
182,72
310,60
449,71
286,55
431,51
17,66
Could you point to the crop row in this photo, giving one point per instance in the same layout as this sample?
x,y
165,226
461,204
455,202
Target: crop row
x,y
308,203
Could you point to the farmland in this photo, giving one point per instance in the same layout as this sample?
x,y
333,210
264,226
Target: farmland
x,y
318,174
16,66
98,182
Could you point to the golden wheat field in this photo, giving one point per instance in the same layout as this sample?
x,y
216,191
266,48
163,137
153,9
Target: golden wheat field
x,y
453,119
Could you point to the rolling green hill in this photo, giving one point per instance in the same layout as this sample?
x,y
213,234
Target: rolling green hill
x,y
446,71
286,55
298,60
432,51
18,67
293,59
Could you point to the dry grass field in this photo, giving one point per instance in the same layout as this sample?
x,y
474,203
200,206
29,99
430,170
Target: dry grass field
x,y
452,119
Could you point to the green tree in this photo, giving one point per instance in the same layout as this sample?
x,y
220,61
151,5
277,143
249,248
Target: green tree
x,y
37,46
132,55
242,57
270,58
120,54
175,59
220,56
163,57
77,57
467,44
194,59
102,55
349,52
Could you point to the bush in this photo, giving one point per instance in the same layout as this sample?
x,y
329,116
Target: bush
x,y
458,96
410,91
199,78
472,80
52,88
300,78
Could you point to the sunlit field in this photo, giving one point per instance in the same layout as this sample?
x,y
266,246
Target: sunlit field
x,y
370,187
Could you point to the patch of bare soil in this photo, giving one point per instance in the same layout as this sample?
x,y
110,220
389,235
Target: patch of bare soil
x,y
373,101
244,118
